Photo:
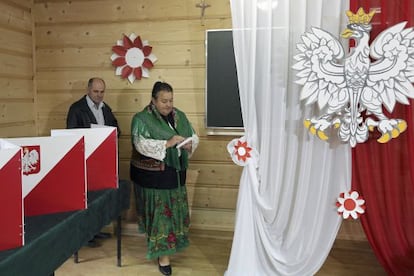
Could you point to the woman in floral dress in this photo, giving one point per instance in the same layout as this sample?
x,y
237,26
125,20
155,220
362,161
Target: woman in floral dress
x,y
158,170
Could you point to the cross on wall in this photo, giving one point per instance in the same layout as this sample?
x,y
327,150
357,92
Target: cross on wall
x,y
203,6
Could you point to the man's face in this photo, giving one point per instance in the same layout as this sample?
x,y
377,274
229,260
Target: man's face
x,y
164,102
97,91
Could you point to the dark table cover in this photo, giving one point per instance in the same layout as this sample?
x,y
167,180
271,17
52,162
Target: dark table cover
x,y
51,239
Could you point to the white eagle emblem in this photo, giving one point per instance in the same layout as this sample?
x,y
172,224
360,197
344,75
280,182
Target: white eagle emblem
x,y
345,90
31,160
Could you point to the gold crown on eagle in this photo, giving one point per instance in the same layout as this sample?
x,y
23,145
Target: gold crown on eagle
x,y
360,17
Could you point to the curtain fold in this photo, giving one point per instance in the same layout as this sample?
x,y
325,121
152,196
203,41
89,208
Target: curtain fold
x,y
384,173
286,218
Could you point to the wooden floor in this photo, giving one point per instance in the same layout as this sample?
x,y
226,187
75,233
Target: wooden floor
x,y
205,257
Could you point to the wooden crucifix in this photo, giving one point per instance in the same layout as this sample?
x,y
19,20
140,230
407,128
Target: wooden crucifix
x,y
203,6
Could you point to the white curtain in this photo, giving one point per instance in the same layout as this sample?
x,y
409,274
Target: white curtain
x,y
286,218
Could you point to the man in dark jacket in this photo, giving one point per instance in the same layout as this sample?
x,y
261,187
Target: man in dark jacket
x,y
91,109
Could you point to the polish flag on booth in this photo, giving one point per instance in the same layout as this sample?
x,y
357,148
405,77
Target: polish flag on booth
x,y
54,174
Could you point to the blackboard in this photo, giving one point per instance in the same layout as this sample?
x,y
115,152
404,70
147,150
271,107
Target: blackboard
x,y
223,109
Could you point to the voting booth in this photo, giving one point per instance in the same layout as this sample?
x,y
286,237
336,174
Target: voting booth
x,y
43,176
101,154
39,176
65,185
53,174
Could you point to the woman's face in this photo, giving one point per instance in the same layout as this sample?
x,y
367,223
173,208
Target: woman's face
x,y
164,102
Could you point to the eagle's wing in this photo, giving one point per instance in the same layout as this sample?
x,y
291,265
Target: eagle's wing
x,y
391,75
323,78
33,157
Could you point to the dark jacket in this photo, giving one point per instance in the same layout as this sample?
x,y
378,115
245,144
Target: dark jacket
x,y
81,116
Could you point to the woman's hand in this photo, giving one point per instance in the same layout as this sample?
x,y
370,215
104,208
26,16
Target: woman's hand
x,y
188,146
176,139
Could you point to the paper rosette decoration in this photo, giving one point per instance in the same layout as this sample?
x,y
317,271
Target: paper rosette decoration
x,y
350,204
241,153
132,58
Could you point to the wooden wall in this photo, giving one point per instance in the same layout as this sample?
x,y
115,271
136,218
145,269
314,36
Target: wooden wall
x,y
73,43
17,88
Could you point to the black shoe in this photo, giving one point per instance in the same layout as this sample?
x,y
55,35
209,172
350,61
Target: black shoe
x,y
93,243
164,269
102,235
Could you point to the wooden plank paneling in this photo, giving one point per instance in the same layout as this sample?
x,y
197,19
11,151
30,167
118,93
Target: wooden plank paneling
x,y
16,65
212,219
17,96
16,42
16,88
21,129
128,10
11,112
75,80
213,149
188,54
217,174
107,34
22,4
16,15
212,197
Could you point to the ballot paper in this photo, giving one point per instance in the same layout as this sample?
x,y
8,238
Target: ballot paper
x,y
189,139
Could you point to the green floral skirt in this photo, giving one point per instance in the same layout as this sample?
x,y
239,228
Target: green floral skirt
x,y
164,218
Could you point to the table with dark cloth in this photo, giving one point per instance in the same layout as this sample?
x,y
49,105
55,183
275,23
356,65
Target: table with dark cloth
x,y
51,239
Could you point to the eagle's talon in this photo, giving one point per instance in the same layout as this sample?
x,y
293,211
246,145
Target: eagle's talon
x,y
317,127
384,138
322,135
391,129
402,126
395,133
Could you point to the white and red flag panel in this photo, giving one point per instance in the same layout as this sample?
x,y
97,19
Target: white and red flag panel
x,y
54,174
101,154
11,199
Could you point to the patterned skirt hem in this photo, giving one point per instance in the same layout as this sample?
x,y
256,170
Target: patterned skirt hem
x,y
152,256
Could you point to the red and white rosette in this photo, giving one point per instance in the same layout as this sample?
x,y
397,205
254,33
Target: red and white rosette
x,y
350,204
132,58
241,153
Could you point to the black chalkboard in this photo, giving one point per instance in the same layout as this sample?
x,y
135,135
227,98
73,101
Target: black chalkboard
x,y
222,91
